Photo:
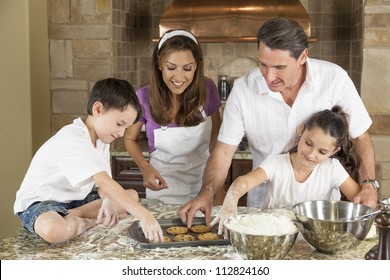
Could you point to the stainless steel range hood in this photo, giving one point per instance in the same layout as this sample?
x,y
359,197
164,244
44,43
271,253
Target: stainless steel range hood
x,y
229,20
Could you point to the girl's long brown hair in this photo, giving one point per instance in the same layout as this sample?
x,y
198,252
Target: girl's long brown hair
x,y
194,95
335,123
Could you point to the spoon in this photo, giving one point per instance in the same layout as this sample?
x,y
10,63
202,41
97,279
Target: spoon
x,y
359,218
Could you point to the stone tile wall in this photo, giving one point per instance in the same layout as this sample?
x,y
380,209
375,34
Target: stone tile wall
x,y
375,89
80,33
94,39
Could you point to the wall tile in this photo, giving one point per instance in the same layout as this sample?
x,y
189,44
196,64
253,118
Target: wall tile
x,y
69,84
92,48
377,37
79,31
60,120
103,6
376,89
380,124
69,101
59,11
61,56
92,69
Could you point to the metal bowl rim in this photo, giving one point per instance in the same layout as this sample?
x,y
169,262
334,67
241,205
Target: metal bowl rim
x,y
293,209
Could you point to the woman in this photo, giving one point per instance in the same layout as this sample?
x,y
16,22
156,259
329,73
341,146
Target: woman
x,y
181,118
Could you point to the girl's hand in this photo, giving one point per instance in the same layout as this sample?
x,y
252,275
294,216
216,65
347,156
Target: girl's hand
x,y
229,209
153,180
108,213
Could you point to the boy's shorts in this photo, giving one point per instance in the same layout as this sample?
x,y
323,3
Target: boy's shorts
x,y
36,209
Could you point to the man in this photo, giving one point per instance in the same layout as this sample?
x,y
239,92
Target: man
x,y
269,105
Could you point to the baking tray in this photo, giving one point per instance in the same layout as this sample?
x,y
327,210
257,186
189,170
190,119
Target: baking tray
x,y
136,233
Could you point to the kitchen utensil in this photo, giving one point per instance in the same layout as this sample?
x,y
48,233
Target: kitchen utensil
x,y
359,218
323,229
258,246
223,87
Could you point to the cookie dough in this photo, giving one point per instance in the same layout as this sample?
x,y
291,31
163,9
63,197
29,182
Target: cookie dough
x,y
208,236
183,238
177,230
200,228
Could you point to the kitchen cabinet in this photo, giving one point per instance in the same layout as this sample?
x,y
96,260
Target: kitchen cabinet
x,y
126,172
238,167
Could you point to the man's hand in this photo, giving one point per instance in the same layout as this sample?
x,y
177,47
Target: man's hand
x,y
203,203
367,196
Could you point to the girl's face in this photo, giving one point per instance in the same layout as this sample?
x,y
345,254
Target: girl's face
x,y
178,70
111,124
314,147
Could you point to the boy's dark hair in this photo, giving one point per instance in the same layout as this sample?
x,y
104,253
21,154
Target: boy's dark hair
x,y
283,34
114,94
334,122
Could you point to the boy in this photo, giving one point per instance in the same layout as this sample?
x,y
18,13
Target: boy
x,y
55,199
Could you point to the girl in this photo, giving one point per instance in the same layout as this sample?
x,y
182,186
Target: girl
x,y
181,118
312,172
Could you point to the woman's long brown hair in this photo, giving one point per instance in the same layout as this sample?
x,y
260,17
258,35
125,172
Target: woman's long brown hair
x,y
194,95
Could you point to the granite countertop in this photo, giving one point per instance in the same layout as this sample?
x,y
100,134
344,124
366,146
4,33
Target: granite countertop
x,y
242,152
115,243
239,154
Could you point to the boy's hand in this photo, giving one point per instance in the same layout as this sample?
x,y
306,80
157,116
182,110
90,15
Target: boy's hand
x,y
151,228
108,213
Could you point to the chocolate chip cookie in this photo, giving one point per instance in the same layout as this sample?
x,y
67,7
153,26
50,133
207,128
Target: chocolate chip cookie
x,y
183,238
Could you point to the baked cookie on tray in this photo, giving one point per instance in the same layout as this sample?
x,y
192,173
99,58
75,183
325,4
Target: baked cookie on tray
x,y
183,238
200,228
208,236
165,239
177,230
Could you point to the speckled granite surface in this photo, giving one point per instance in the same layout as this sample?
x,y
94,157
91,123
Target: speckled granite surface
x,y
102,243
244,154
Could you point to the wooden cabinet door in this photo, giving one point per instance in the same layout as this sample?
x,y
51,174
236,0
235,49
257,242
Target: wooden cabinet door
x,y
126,172
241,167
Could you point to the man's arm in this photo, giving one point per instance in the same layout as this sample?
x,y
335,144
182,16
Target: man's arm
x,y
366,155
214,178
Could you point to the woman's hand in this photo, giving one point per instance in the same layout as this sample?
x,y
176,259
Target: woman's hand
x,y
153,180
107,213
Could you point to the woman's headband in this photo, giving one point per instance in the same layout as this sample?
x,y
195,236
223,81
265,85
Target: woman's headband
x,y
178,32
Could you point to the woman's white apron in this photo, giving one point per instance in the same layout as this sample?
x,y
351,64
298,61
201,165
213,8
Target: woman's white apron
x,y
180,157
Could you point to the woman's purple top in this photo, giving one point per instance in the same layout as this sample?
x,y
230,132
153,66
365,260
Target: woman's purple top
x,y
211,106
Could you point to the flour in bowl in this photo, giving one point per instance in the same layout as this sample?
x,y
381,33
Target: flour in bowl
x,y
261,224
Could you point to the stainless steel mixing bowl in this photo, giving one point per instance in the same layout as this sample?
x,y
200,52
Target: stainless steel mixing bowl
x,y
323,228
261,247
